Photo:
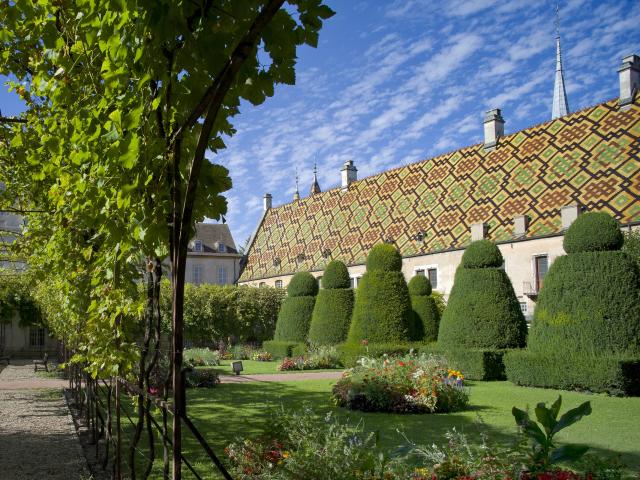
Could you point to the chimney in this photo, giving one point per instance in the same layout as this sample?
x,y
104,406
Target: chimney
x,y
479,231
520,225
349,174
493,128
568,214
267,201
629,73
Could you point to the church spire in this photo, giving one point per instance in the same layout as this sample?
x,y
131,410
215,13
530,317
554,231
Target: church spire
x,y
560,104
296,194
315,188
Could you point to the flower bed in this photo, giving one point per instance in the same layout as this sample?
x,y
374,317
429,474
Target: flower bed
x,y
317,358
201,357
414,383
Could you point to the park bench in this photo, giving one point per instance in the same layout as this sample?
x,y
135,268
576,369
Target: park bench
x,y
44,363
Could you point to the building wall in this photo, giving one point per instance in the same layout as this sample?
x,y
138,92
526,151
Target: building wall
x,y
519,264
209,265
15,341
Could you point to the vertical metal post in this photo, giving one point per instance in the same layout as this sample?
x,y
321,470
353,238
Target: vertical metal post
x,y
118,461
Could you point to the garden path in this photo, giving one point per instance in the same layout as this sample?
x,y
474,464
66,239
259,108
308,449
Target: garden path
x,y
280,377
37,435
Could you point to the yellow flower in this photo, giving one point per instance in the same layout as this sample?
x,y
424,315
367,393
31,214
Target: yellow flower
x,y
286,454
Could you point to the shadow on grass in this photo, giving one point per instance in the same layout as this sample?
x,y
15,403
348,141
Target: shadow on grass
x,y
232,412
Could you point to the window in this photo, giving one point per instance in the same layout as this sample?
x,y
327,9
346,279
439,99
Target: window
x,y
541,265
355,281
523,307
36,337
197,274
222,275
432,273
222,248
429,271
262,285
278,283
197,246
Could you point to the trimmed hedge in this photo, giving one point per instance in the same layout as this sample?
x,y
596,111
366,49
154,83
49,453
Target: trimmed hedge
x,y
382,311
483,311
331,316
350,353
302,284
279,349
474,364
593,232
294,319
590,303
426,317
385,258
482,254
336,275
571,371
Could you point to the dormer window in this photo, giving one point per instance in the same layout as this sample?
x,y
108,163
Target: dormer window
x,y
222,248
197,246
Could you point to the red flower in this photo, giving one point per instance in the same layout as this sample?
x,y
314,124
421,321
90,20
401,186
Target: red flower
x,y
364,342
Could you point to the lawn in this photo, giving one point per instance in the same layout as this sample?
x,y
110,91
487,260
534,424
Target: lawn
x,y
233,410
254,367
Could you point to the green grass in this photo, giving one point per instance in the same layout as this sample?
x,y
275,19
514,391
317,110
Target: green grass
x,y
232,411
254,367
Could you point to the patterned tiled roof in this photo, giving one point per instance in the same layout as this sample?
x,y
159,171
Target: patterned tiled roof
x,y
590,157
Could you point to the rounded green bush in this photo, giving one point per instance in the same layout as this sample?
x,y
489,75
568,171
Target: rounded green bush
x,y
483,310
294,319
336,275
482,254
593,232
302,284
382,311
419,285
384,257
426,318
589,304
331,316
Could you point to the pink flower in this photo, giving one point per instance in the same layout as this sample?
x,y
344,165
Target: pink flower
x,y
364,342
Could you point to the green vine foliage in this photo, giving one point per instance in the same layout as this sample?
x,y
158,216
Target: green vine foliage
x,y
123,99
17,299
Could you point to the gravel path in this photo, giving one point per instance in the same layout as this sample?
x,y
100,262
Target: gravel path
x,y
280,377
37,435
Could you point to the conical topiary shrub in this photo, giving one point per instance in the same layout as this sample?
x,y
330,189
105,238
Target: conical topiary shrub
x,y
426,317
382,311
296,310
590,301
332,312
483,311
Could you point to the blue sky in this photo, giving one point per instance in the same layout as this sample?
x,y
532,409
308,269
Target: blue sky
x,y
396,82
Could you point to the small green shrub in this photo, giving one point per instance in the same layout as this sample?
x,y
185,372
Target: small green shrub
x,y
279,349
632,245
350,353
593,232
332,311
296,311
482,254
202,378
483,311
573,371
302,284
200,357
426,317
336,275
385,258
